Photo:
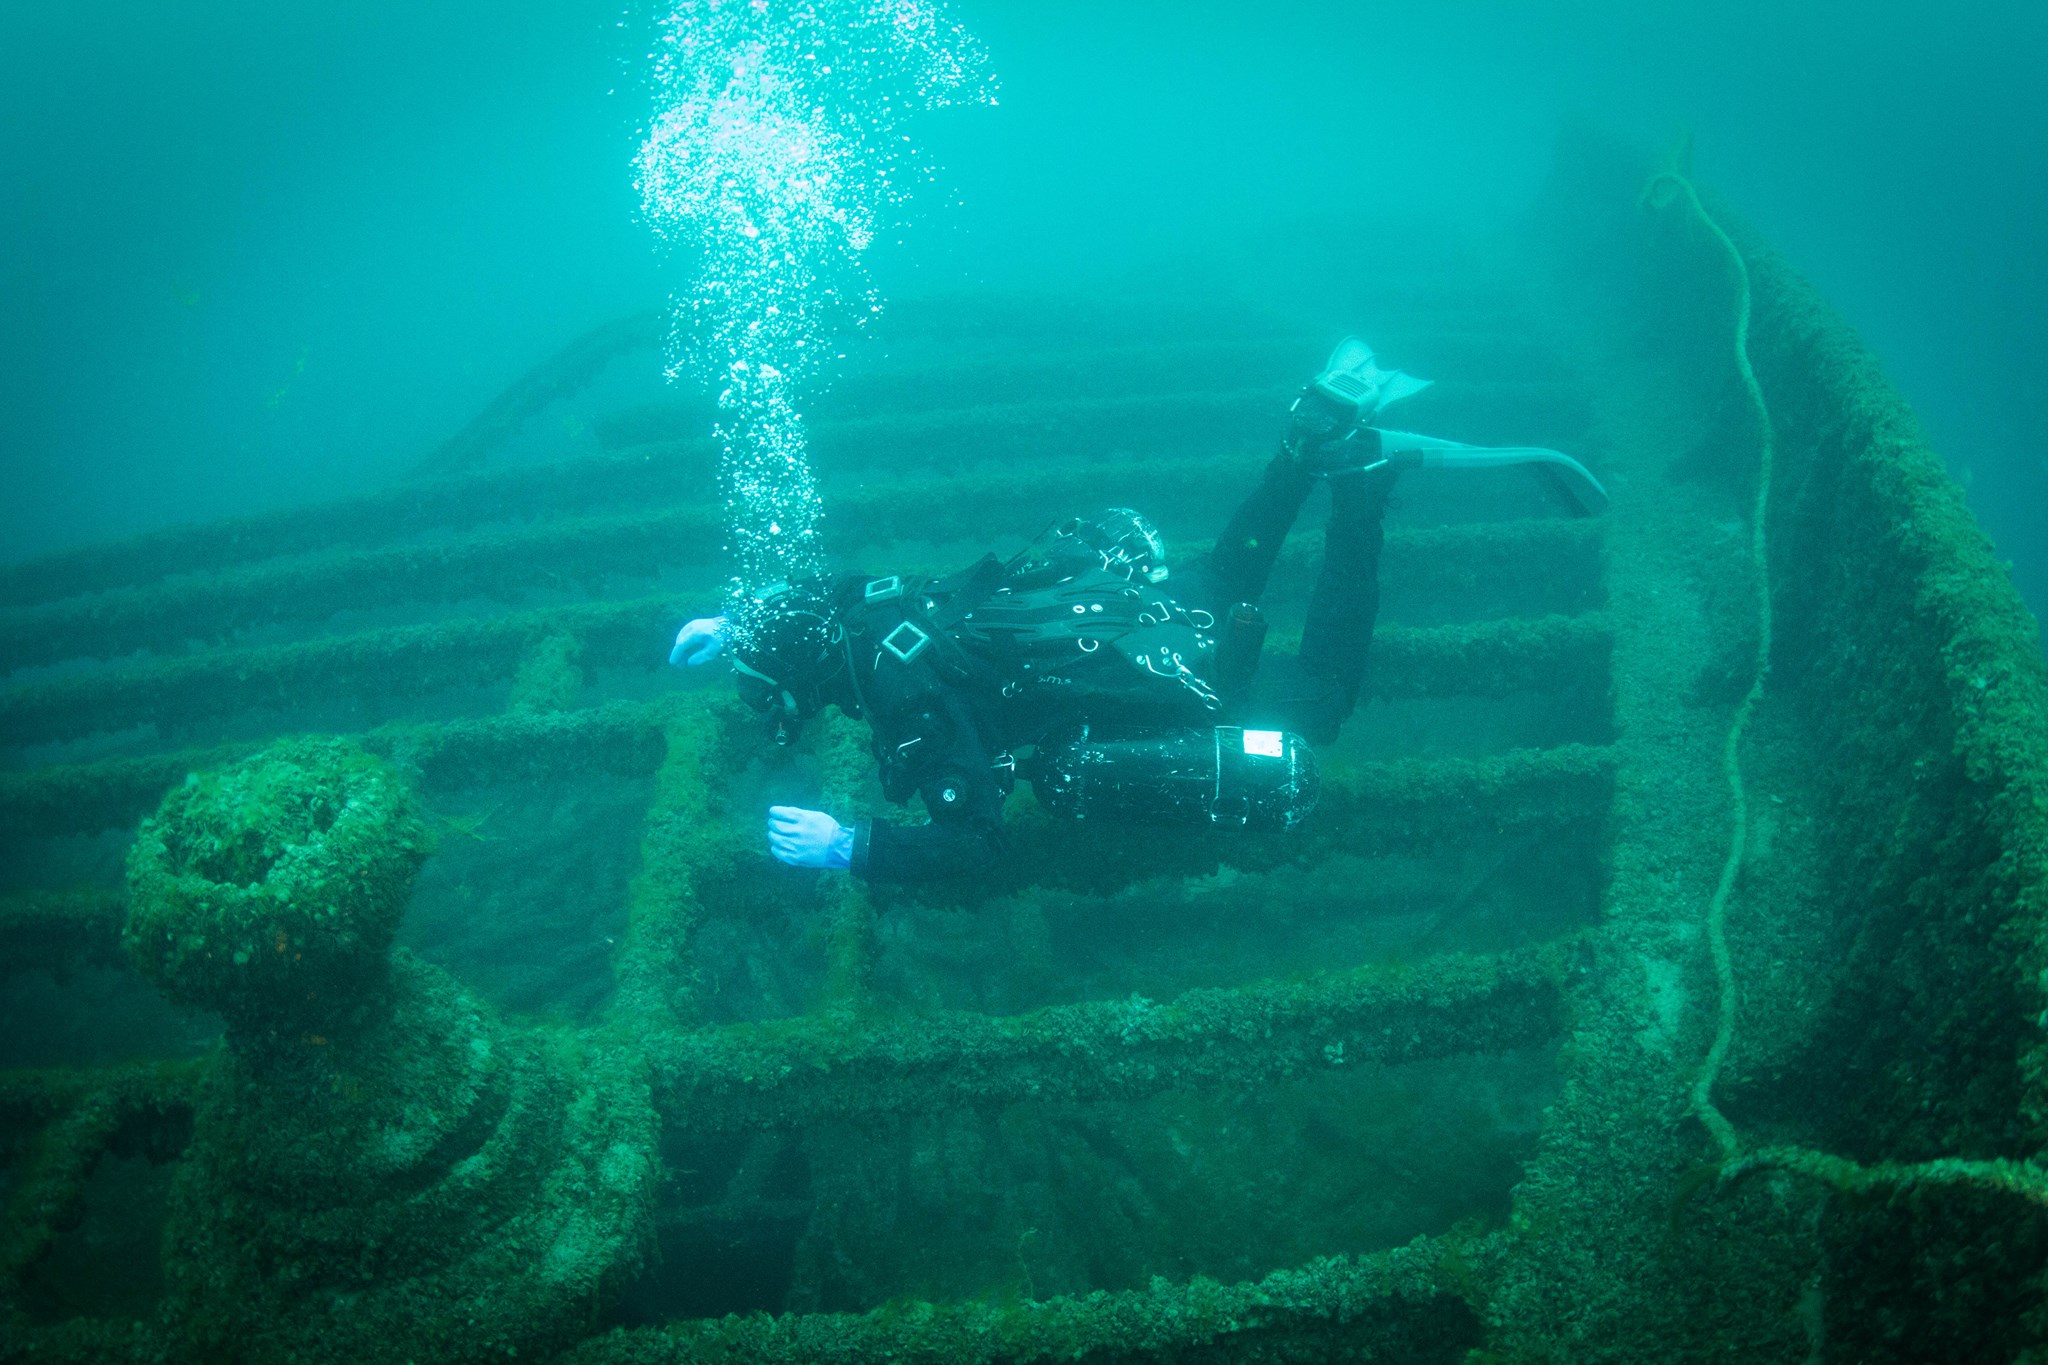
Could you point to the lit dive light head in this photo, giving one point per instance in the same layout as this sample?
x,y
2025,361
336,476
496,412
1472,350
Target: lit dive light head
x,y
788,649
1128,543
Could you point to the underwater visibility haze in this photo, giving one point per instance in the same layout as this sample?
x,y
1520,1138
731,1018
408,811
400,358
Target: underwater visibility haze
x,y
849,680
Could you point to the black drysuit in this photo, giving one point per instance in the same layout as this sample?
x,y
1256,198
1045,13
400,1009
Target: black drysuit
x,y
944,730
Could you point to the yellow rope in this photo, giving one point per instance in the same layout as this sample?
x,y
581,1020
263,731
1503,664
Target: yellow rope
x,y
1664,189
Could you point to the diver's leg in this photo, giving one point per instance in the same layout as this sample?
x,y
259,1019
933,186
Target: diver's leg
x,y
1336,640
1243,558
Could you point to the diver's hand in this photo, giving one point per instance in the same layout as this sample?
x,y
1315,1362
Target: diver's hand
x,y
699,642
808,838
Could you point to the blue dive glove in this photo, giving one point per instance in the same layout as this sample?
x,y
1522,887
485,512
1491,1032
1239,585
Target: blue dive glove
x,y
699,642
808,838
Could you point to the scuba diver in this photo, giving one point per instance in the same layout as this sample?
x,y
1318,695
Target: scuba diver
x,y
1129,700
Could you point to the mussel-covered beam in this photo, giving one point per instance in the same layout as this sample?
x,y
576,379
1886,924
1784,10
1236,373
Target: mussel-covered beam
x,y
626,479
1413,805
952,432
1390,808
1406,1303
384,670
32,1097
506,563
59,930
525,528
1492,658
1234,379
501,564
378,670
619,738
74,1117
797,1072
623,738
1483,570
1098,416
662,470
1477,359
86,798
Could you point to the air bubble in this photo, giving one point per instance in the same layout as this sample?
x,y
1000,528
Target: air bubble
x,y
776,170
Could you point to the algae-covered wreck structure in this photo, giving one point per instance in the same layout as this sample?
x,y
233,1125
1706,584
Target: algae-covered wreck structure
x,y
395,973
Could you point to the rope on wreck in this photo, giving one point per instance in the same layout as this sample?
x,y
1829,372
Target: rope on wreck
x,y
1664,189
2024,1178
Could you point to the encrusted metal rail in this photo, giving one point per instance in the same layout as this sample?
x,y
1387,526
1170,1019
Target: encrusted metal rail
x,y
385,670
1384,808
508,561
1407,1303
618,737
794,1073
76,1117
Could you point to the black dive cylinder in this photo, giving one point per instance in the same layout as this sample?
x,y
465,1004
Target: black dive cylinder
x,y
1240,779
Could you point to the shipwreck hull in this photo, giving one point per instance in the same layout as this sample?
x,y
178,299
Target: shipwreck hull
x,y
1420,1082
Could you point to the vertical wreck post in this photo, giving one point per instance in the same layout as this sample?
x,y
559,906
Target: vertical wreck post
x,y
380,1169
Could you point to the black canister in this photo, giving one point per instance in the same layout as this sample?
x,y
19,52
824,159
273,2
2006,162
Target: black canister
x,y
1221,775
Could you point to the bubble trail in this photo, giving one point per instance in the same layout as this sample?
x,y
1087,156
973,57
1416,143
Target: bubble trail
x,y
771,163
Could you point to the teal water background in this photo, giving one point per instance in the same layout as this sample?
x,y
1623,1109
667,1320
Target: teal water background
x,y
262,254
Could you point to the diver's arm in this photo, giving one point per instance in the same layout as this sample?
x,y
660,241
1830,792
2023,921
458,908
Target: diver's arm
x,y
955,843
960,791
889,853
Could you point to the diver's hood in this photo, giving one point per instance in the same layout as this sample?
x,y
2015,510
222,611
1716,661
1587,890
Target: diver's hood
x,y
786,651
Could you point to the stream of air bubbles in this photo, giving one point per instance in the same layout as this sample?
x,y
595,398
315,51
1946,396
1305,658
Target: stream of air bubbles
x,y
772,161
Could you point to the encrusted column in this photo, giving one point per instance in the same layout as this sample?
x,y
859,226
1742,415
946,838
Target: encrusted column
x,y
380,1168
